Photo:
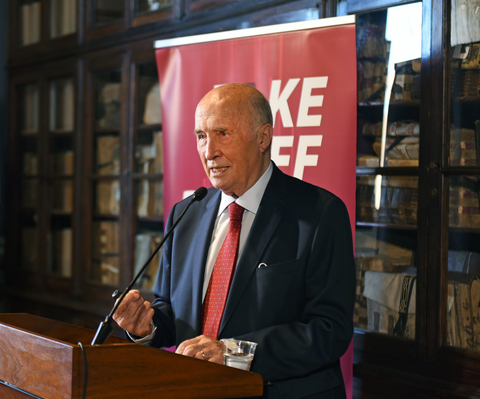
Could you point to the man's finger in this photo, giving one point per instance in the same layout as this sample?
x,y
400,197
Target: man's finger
x,y
202,347
186,347
132,296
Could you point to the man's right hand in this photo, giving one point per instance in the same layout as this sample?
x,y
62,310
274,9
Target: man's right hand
x,y
135,314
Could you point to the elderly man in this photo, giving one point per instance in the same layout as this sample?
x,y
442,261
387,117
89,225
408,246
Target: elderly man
x,y
286,280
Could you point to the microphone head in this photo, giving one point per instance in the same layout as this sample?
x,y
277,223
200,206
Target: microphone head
x,y
199,194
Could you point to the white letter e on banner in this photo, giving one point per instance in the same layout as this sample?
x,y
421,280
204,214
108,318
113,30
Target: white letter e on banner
x,y
307,100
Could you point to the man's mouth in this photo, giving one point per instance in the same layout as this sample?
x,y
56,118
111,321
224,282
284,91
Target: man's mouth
x,y
218,170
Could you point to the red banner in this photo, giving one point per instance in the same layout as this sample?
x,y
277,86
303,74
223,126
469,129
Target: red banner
x,y
308,73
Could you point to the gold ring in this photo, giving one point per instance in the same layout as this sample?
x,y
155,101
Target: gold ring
x,y
203,354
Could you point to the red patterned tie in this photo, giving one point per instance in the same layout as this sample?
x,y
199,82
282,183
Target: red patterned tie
x,y
222,273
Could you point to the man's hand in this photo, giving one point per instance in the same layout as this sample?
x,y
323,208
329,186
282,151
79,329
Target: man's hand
x,y
202,347
135,314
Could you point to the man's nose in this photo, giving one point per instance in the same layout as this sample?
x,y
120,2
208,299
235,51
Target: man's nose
x,y
211,149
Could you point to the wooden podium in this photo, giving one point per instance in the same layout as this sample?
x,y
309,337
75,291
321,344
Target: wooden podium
x,y
42,358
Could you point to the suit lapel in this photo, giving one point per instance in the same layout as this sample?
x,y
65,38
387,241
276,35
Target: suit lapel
x,y
268,216
201,244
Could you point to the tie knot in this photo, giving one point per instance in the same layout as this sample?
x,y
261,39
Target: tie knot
x,y
235,211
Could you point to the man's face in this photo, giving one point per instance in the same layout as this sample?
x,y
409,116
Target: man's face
x,y
231,153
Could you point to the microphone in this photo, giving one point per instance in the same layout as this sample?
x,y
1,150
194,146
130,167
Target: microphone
x,y
105,328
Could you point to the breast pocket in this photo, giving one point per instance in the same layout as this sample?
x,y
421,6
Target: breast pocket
x,y
279,290
265,270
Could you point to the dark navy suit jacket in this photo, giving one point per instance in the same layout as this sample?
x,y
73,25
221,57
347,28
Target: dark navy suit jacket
x,y
298,308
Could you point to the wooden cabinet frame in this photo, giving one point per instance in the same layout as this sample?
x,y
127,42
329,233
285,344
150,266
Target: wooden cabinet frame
x,y
384,366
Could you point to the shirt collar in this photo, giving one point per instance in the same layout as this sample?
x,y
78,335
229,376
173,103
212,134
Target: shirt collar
x,y
250,200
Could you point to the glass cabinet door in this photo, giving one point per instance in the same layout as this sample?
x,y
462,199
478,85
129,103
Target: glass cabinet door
x,y
63,18
388,57
148,176
61,173
29,14
107,103
463,179
29,134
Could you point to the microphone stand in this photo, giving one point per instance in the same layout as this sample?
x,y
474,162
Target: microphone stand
x,y
105,329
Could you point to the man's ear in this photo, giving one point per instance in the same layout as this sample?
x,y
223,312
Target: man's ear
x,y
265,135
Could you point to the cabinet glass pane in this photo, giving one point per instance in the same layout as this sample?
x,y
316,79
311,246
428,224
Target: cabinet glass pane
x,y
108,97
148,102
29,247
61,162
60,248
388,57
107,197
107,155
149,198
29,143
107,11
149,152
106,252
463,303
29,192
28,239
63,17
107,142
465,102
62,196
149,146
143,6
30,109
148,164
29,13
29,155
385,243
147,239
462,153
61,171
62,105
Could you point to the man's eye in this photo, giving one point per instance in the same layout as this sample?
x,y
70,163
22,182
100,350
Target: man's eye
x,y
223,133
200,136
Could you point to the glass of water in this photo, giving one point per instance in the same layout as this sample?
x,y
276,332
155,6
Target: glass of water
x,y
239,354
